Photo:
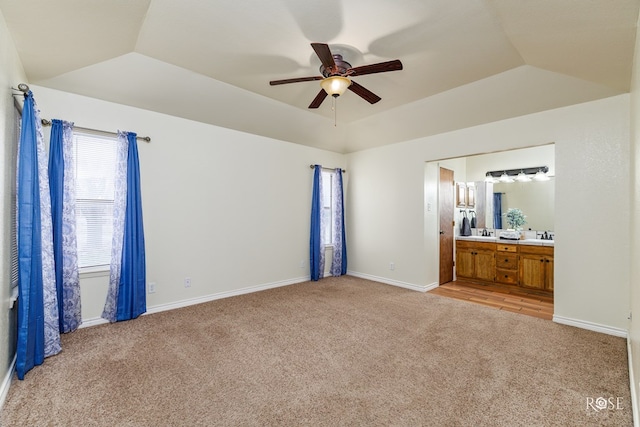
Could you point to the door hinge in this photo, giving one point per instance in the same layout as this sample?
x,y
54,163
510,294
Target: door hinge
x,y
453,223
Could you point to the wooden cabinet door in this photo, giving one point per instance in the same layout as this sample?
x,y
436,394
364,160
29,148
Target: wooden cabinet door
x,y
485,265
465,262
549,274
533,271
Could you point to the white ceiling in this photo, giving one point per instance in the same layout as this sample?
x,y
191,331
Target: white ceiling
x,y
466,62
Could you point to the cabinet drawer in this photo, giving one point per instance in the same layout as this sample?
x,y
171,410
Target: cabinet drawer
x,y
507,261
507,276
537,250
464,244
506,247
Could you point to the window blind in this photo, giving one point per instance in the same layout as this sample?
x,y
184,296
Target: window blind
x,y
95,158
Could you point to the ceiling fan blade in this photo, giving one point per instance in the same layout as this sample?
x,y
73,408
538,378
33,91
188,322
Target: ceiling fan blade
x,y
294,80
381,67
318,99
364,93
324,53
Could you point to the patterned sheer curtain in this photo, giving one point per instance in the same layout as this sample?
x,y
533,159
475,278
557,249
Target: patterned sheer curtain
x,y
63,213
339,259
126,297
316,244
38,326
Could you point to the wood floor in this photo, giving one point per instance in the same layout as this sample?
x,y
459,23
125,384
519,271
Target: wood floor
x,y
501,297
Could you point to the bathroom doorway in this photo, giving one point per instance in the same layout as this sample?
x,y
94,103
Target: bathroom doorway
x,y
445,208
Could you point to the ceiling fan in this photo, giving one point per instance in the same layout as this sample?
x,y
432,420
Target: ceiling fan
x,y
337,73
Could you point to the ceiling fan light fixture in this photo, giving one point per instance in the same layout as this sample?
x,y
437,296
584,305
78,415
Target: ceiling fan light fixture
x,y
335,85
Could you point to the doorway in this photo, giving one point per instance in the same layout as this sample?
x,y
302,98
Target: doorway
x,y
446,187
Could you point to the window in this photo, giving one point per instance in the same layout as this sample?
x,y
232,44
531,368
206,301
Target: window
x,y
15,137
327,217
95,157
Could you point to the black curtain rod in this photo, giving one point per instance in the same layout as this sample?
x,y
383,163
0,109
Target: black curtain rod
x,y
329,169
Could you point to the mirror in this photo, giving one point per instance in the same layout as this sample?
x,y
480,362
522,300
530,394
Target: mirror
x,y
535,199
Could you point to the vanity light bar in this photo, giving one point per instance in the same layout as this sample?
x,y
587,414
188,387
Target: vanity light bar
x,y
514,172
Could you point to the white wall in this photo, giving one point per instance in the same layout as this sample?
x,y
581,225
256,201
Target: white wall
x,y
634,327
11,74
228,209
386,215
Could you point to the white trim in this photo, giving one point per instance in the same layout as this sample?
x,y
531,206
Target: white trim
x,y
14,297
96,271
596,327
6,383
419,288
634,396
199,300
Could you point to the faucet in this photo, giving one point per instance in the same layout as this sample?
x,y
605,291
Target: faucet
x,y
545,236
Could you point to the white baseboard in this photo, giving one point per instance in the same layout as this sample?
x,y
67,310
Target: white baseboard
x,y
391,282
206,298
583,324
6,383
632,383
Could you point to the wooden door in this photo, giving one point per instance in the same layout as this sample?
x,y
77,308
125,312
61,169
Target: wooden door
x,y
446,188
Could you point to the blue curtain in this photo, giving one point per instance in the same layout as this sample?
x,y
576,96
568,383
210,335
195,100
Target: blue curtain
x,y
38,335
62,188
316,251
132,287
126,298
339,260
497,210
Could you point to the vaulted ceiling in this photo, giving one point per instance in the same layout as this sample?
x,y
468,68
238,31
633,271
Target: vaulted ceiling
x,y
466,62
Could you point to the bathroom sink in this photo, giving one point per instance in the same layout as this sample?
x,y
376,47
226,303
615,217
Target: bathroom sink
x,y
487,238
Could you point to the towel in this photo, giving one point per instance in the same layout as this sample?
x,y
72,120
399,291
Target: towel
x,y
465,229
473,219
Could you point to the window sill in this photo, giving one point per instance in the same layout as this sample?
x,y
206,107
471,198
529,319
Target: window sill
x,y
97,271
14,297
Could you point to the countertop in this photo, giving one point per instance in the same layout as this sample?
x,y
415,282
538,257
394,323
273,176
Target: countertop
x,y
491,239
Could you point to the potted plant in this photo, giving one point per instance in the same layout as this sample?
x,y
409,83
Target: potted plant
x,y
515,218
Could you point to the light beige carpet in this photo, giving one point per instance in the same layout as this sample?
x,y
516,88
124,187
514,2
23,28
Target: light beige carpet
x,y
339,352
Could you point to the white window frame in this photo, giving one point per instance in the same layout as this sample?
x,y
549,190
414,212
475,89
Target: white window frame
x,y
327,203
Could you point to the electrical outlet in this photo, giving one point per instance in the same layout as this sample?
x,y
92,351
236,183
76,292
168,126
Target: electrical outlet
x,y
392,266
187,282
302,264
151,287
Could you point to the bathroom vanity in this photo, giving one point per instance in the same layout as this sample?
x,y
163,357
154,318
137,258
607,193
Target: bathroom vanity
x,y
525,263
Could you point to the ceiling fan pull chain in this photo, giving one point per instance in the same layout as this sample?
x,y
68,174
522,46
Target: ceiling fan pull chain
x,y
334,104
